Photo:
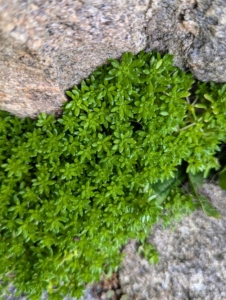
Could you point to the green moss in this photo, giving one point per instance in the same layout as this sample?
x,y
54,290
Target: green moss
x,y
73,190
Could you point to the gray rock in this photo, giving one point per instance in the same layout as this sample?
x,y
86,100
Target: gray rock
x,y
48,46
192,30
192,259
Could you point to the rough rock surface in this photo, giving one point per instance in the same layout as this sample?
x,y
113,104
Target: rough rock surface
x,y
192,30
48,46
192,259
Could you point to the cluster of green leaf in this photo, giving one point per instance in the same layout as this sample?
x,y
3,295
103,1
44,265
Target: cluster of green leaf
x,y
73,190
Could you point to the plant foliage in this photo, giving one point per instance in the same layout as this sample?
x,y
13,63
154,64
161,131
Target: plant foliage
x,y
73,190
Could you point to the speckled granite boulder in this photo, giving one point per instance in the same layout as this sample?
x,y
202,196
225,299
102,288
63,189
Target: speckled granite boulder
x,y
48,46
192,30
192,259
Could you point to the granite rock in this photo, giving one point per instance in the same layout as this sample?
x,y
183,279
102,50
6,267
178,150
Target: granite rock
x,y
194,31
48,46
192,259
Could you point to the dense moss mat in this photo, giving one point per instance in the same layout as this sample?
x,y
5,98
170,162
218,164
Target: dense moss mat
x,y
73,190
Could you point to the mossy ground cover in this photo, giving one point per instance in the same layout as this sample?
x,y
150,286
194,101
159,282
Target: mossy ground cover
x,y
73,190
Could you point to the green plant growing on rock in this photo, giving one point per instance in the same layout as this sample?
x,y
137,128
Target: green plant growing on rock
x,y
73,190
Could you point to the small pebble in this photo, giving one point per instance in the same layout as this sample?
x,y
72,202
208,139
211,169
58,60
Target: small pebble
x,y
103,296
110,294
118,292
124,297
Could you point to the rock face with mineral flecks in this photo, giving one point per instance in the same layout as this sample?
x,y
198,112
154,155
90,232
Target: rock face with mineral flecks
x,y
48,46
192,30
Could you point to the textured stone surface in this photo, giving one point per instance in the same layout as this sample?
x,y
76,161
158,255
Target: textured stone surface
x,y
194,31
192,259
48,46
